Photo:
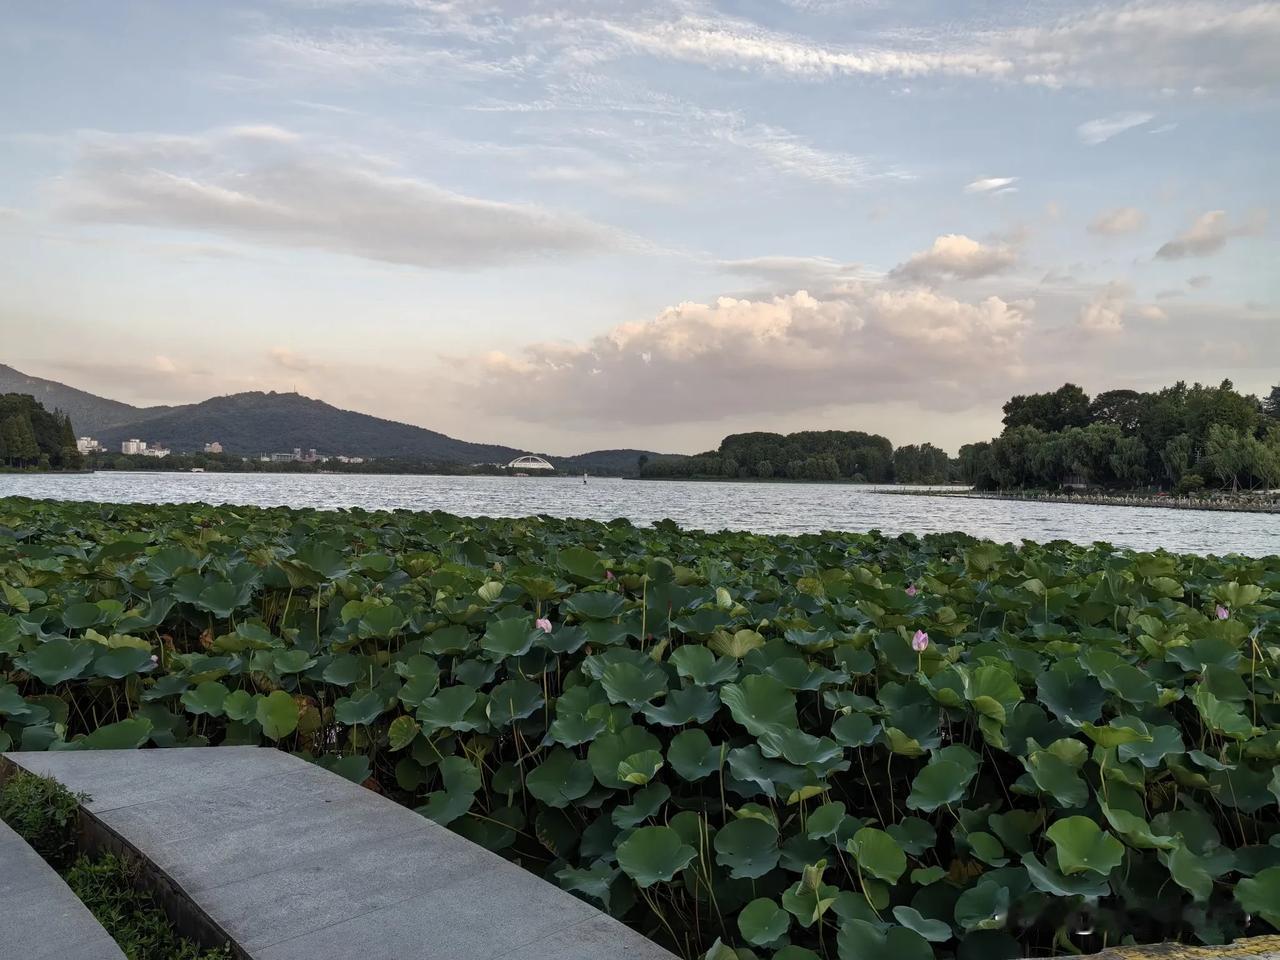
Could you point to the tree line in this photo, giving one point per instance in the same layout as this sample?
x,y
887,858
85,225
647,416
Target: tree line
x,y
1178,438
809,455
31,436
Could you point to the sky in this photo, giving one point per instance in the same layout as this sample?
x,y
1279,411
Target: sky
x,y
571,226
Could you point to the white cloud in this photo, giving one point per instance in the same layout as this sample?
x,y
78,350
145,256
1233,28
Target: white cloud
x,y
704,361
1105,313
1118,221
1208,234
290,192
1199,281
955,256
1151,45
1152,313
1098,131
794,273
992,185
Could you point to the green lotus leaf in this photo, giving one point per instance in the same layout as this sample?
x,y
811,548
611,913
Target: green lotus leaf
x,y
760,703
560,779
855,730
825,821
277,713
639,768
748,847
737,645
914,835
513,700
687,705
878,854
509,638
934,931
1058,778
1113,735
938,783
609,750
594,605
1070,693
401,732
654,855
923,876
983,907
633,685
362,708
13,705
645,803
222,598
123,735
57,660
860,940
207,699
693,756
809,898
763,922
123,662
462,780
700,665
81,615
1260,895
1081,845
449,709
240,706
1189,872
344,670
986,848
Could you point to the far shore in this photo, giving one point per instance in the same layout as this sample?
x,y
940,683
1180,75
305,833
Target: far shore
x,y
1228,503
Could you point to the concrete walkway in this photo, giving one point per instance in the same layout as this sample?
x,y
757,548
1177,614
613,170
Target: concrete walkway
x,y
292,862
41,918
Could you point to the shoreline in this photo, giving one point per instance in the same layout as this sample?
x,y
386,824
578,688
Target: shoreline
x,y
1088,500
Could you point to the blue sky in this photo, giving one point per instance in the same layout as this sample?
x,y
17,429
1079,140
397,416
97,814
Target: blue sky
x,y
579,225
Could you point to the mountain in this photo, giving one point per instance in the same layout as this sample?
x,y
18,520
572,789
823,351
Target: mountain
x,y
90,414
254,423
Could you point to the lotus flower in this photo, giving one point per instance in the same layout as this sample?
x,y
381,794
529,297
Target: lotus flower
x,y
920,642
1222,612
608,575
543,624
154,658
911,590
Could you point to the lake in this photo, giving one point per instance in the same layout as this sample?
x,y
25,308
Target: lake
x,y
761,507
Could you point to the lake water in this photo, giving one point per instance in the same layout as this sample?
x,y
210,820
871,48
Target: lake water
x,y
762,507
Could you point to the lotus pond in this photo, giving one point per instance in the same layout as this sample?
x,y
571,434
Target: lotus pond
x,y
742,745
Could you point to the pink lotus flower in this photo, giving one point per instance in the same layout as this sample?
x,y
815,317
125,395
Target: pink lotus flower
x,y
911,590
543,624
1222,612
920,642
608,575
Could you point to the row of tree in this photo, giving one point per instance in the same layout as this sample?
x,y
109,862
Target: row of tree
x,y
1181,438
31,436
809,455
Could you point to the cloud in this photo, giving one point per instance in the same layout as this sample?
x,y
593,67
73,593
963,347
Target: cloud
x,y
1105,313
291,360
992,185
1199,281
1207,235
955,256
1151,312
298,193
1098,131
705,361
1151,45
794,273
1118,221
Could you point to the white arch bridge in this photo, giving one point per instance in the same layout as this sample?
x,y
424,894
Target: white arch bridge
x,y
529,462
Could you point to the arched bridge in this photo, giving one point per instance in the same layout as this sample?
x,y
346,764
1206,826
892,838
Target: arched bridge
x,y
529,462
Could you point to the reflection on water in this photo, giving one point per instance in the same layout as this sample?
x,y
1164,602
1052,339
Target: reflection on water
x,y
762,507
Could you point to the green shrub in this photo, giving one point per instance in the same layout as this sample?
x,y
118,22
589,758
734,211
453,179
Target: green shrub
x,y
108,886
43,812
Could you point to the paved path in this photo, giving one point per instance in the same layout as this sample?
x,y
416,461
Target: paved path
x,y
41,918
295,863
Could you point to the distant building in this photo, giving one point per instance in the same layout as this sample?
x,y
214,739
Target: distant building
x,y
341,459
157,452
285,457
213,447
87,445
133,447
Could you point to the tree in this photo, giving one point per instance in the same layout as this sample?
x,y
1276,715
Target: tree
x,y
641,462
1271,405
1068,406
1129,461
1226,454
1120,408
1176,458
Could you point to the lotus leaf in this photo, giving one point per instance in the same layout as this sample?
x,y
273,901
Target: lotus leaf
x,y
654,854
1081,845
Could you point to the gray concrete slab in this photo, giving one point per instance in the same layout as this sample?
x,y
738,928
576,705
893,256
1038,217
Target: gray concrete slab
x,y
291,861
40,918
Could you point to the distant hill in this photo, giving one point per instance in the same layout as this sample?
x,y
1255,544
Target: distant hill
x,y
253,423
256,422
90,414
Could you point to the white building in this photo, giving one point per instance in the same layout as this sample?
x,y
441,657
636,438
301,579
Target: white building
x,y
157,452
133,447
87,445
213,447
